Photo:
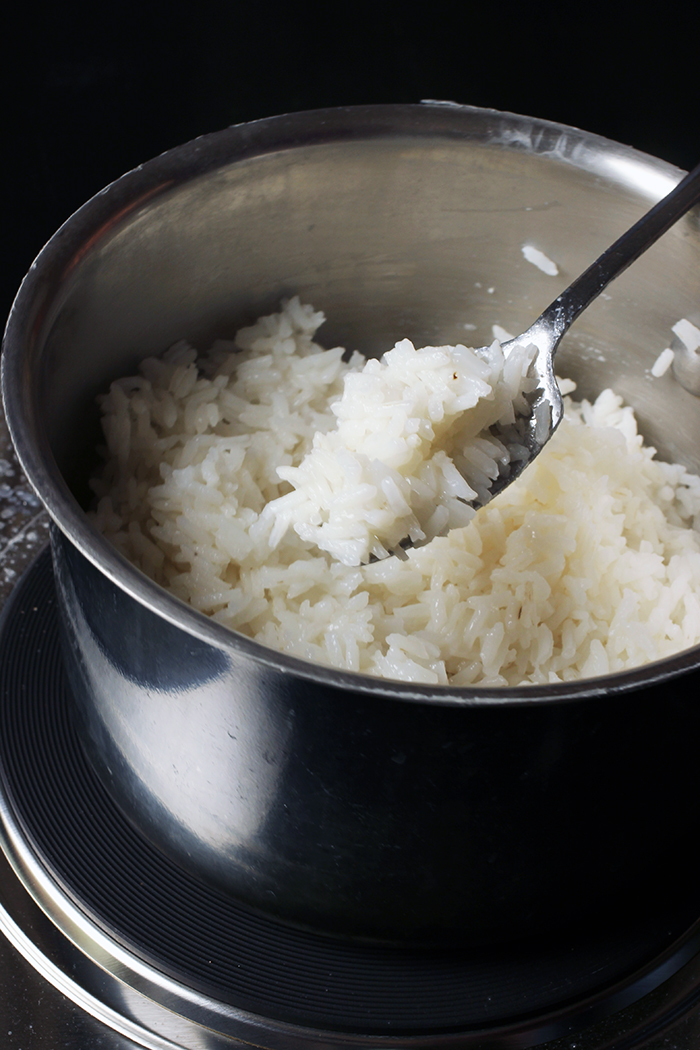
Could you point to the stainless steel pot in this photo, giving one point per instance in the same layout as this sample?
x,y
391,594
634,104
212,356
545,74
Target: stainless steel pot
x,y
355,806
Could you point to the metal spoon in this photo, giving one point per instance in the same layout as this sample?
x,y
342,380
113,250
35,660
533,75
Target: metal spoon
x,y
549,328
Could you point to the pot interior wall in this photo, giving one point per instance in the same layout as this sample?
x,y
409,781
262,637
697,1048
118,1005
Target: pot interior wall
x,y
399,236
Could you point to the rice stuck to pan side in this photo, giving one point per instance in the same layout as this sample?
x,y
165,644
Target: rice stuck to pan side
x,y
589,563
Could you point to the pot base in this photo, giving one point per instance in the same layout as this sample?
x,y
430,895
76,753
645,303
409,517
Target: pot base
x,y
61,823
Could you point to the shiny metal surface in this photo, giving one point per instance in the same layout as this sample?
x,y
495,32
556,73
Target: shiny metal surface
x,y
65,938
78,987
547,332
54,991
347,804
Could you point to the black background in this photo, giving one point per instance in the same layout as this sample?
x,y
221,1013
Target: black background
x,y
92,91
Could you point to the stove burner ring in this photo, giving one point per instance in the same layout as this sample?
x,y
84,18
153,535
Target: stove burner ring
x,y
205,942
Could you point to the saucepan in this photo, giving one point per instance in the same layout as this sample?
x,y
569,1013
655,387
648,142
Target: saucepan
x,y
355,806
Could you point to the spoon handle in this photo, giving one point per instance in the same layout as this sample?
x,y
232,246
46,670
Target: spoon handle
x,y
574,299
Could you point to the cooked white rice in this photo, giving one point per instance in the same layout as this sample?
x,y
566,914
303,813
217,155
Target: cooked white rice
x,y
688,333
540,260
420,435
663,363
589,563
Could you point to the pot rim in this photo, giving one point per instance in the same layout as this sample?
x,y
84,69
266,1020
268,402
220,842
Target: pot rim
x,y
31,313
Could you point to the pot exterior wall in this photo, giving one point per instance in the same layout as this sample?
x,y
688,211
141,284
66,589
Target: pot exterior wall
x,y
355,815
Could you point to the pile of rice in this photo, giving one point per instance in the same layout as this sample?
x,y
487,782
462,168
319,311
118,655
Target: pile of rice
x,y
589,563
420,435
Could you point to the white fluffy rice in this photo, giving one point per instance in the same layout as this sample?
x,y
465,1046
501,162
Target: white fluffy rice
x,y
420,435
589,563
